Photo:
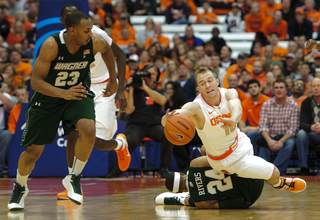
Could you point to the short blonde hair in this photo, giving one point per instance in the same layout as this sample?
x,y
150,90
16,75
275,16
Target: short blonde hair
x,y
203,70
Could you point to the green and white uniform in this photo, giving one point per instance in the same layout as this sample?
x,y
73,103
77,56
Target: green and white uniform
x,y
231,191
45,112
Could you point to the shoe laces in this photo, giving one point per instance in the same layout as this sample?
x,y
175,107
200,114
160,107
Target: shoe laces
x,y
76,183
17,193
291,185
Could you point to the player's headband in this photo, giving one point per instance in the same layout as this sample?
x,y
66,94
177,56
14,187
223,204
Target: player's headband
x,y
176,182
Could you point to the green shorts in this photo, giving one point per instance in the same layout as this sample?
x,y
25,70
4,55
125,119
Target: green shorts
x,y
42,121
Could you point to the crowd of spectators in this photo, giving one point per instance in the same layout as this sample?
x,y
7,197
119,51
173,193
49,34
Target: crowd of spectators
x,y
259,75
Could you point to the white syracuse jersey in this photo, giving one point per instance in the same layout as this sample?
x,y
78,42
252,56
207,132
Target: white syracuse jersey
x,y
216,140
98,69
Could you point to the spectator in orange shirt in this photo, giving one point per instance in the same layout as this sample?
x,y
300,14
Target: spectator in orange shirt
x,y
97,10
268,8
144,59
251,109
119,8
125,40
233,84
255,19
312,14
21,93
236,68
297,92
121,23
164,41
20,16
207,17
17,34
278,52
23,69
276,25
164,4
258,73
245,77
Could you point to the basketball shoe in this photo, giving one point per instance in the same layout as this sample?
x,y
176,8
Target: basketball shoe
x,y
169,198
124,156
16,202
72,184
292,184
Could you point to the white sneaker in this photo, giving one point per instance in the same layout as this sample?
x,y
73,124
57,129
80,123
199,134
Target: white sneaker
x,y
169,198
72,183
16,202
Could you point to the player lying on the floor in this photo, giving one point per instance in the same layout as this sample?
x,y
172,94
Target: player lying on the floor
x,y
206,188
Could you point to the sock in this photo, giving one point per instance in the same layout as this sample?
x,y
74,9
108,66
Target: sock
x,y
278,184
69,169
77,167
22,180
181,200
119,144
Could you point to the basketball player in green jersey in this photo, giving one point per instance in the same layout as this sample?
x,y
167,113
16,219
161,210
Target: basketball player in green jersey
x,y
61,82
210,189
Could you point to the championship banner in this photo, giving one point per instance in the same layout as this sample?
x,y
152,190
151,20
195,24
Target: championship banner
x,y
53,159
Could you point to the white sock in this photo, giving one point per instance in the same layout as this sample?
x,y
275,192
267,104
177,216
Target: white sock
x,y
69,169
119,144
22,180
182,200
77,166
278,184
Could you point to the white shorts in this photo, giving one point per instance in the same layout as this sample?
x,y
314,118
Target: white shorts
x,y
243,163
105,108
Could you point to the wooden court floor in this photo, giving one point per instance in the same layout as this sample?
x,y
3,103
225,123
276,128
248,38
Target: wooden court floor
x,y
133,198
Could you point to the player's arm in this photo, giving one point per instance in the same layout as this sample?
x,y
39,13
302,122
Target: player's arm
x,y
102,46
41,70
190,109
234,105
121,65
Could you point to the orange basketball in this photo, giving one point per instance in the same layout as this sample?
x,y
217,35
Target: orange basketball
x,y
179,129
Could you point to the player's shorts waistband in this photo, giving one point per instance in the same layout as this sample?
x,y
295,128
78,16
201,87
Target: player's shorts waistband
x,y
232,148
107,80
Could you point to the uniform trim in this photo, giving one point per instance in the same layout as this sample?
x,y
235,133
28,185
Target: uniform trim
x,y
220,103
232,148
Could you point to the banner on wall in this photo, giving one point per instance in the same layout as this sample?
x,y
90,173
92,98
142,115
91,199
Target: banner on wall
x,y
53,159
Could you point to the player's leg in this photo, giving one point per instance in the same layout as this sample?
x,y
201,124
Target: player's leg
x,y
41,128
71,143
26,164
106,127
84,122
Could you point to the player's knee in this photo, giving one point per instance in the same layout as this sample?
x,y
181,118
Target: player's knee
x,y
33,152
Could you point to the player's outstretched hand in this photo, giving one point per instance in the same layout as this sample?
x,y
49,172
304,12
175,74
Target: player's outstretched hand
x,y
227,123
168,115
75,92
122,100
110,89
311,44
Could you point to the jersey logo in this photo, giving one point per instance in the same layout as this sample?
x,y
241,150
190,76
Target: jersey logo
x,y
86,52
211,112
178,135
214,121
60,58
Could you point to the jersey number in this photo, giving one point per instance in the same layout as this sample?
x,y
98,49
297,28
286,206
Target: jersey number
x,y
229,130
222,184
61,80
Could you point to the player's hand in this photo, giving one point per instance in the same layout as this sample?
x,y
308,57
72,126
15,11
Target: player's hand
x,y
122,100
168,115
311,44
75,92
111,88
227,123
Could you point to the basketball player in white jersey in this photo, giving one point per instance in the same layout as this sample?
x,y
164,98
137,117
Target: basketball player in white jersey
x,y
105,107
215,113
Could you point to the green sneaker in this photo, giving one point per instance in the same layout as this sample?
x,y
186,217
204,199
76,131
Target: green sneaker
x,y
72,183
19,193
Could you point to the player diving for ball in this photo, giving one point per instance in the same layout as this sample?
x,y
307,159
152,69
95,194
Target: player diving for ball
x,y
215,113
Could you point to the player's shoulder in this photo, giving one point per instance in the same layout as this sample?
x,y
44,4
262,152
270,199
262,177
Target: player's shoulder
x,y
191,105
50,44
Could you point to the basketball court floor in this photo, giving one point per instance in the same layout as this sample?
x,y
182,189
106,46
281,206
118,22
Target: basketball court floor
x,y
133,198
